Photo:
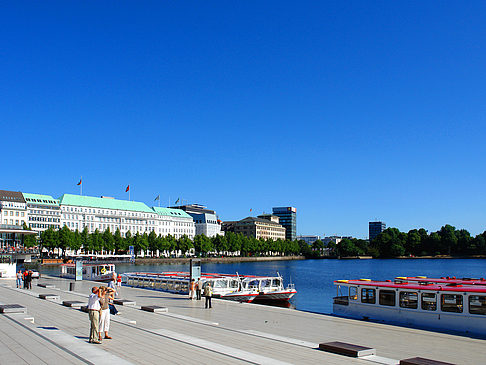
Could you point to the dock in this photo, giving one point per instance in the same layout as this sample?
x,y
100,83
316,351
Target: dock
x,y
176,330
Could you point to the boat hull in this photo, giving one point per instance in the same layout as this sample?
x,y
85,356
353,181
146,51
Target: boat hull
x,y
276,296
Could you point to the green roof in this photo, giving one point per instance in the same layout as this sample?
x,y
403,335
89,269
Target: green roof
x,y
171,212
104,203
40,199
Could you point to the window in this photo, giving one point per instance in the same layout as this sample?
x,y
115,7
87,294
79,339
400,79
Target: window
x,y
387,297
368,296
429,301
353,293
451,303
409,299
477,304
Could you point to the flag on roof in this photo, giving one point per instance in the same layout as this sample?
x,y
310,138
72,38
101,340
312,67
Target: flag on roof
x,y
80,181
157,198
128,188
177,201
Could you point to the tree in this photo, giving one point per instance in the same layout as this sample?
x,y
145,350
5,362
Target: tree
x,y
76,241
118,241
108,240
65,239
152,241
96,240
413,243
48,239
85,240
448,239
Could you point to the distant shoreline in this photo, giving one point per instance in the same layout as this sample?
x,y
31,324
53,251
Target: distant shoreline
x,y
184,260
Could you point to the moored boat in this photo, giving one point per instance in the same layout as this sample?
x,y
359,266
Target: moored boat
x,y
240,288
91,271
449,307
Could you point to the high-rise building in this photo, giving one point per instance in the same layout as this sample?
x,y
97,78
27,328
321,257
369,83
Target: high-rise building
x,y
205,220
288,219
375,228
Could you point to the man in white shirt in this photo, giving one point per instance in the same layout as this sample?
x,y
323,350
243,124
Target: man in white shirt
x,y
94,309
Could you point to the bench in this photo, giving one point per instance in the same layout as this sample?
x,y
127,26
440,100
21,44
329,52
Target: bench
x,y
123,302
154,308
347,349
12,308
423,361
49,296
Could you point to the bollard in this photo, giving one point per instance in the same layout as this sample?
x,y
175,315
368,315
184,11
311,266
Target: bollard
x,y
71,286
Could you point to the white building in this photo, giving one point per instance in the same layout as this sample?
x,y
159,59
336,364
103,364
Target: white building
x,y
309,239
175,222
13,209
43,212
205,220
94,213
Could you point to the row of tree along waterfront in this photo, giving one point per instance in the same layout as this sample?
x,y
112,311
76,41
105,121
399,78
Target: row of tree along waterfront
x,y
390,243
417,242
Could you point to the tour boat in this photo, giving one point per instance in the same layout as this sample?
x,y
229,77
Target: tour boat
x,y
92,271
443,280
241,288
269,288
442,306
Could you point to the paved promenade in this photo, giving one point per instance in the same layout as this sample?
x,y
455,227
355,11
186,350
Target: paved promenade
x,y
229,333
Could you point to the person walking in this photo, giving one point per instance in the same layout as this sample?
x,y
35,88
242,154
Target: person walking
x,y
198,289
118,281
192,287
208,293
94,309
25,279
28,280
106,294
19,279
111,284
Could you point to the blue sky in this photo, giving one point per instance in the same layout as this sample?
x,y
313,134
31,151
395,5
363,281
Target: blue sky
x,y
349,111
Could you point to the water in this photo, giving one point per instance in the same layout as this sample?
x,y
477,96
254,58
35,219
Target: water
x,y
313,279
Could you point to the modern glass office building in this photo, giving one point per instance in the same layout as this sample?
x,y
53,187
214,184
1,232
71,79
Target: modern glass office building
x,y
375,228
288,219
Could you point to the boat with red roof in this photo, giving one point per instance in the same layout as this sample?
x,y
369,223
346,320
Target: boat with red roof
x,y
449,305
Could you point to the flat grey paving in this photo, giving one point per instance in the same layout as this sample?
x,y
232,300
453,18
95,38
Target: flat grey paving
x,y
233,332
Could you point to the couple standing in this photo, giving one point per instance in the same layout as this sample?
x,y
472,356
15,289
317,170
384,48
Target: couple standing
x,y
99,313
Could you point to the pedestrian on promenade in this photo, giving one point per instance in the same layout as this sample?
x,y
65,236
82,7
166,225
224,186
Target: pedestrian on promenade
x,y
25,279
28,280
19,279
118,281
192,287
111,284
106,294
198,289
94,309
208,293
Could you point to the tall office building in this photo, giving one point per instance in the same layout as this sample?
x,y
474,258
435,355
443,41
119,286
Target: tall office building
x,y
288,219
375,228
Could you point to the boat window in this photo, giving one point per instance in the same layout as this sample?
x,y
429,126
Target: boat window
x,y
387,297
451,303
429,302
266,283
220,284
409,299
234,284
276,282
368,296
477,304
353,293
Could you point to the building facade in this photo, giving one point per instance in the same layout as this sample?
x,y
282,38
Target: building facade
x,y
174,222
205,220
13,217
79,212
309,239
256,228
375,228
288,219
13,208
43,212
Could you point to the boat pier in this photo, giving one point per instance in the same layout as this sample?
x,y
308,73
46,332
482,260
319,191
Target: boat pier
x,y
156,327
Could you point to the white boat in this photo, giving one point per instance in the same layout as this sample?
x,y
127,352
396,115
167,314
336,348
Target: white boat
x,y
443,306
269,288
225,286
91,271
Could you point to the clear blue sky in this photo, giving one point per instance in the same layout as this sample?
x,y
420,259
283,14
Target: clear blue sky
x,y
349,111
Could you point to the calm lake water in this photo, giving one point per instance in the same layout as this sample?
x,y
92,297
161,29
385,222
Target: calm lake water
x,y
313,279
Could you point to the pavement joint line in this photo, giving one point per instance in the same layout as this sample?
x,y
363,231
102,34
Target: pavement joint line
x,y
187,318
218,348
84,352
